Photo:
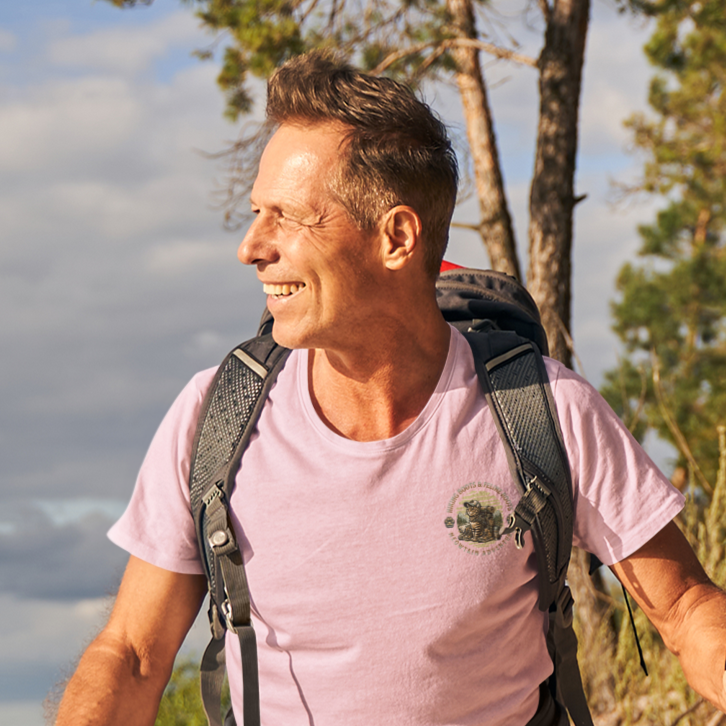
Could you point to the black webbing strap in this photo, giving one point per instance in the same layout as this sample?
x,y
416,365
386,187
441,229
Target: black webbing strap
x,y
212,671
566,681
549,712
231,595
228,418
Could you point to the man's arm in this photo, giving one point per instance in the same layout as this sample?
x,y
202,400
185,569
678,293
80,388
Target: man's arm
x,y
689,611
122,675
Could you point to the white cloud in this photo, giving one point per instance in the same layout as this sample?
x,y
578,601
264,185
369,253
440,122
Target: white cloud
x,y
63,122
8,42
116,284
28,713
179,257
605,237
204,342
127,48
615,79
68,511
55,625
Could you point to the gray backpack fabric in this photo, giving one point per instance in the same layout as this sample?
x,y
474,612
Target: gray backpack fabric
x,y
502,325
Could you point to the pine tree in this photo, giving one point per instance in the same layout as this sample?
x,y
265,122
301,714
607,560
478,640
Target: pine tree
x,y
671,306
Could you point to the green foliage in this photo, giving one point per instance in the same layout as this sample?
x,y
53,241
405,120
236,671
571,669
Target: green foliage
x,y
181,704
261,34
671,308
670,316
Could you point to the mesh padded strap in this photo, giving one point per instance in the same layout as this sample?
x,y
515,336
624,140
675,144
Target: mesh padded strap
x,y
517,389
228,418
515,383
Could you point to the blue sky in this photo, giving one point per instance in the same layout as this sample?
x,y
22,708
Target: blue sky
x,y
118,281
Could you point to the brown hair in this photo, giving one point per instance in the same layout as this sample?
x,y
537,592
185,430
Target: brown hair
x,y
396,152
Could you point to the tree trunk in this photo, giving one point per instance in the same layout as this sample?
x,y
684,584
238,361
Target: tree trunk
x,y
496,222
552,200
549,281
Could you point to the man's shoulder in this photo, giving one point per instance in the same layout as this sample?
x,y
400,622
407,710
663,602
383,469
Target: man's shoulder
x,y
567,384
185,409
201,382
580,406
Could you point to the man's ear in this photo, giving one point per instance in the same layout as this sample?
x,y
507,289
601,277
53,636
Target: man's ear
x,y
401,235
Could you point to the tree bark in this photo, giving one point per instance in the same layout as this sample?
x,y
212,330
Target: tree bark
x,y
496,222
552,199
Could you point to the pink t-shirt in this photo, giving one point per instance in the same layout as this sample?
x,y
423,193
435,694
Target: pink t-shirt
x,y
381,591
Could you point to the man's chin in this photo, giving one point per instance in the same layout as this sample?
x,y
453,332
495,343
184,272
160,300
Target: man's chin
x,y
288,337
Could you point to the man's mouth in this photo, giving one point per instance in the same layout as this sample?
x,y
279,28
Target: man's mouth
x,y
283,289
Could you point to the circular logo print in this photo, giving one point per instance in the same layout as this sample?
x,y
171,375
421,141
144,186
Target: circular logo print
x,y
475,515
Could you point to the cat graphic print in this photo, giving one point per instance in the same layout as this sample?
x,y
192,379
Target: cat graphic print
x,y
474,517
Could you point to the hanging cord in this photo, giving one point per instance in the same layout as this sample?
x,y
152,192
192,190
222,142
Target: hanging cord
x,y
594,564
635,632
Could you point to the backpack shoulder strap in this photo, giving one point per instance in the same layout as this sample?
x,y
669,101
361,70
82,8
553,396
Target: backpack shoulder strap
x,y
515,383
516,386
228,417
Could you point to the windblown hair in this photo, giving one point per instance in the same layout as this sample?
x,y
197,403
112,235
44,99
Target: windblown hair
x,y
396,151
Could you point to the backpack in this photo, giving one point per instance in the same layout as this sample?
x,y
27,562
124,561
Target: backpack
x,y
501,322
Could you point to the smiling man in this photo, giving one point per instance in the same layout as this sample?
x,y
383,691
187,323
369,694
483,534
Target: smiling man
x,y
367,611
338,290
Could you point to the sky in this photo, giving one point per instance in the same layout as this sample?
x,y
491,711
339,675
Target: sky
x,y
118,281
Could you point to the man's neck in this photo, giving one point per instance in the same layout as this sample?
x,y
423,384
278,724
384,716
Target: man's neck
x,y
378,391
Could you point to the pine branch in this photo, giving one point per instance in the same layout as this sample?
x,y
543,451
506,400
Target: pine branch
x,y
442,45
704,217
432,58
546,10
641,400
570,344
688,711
673,426
463,225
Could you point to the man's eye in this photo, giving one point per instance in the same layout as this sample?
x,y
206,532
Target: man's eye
x,y
290,221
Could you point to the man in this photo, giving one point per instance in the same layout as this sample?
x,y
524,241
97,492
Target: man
x,y
367,609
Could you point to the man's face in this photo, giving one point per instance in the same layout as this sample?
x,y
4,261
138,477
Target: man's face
x,y
317,268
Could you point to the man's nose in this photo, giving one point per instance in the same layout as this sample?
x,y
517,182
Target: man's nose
x,y
256,246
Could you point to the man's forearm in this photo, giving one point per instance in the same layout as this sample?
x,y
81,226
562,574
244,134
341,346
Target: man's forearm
x,y
699,640
121,677
689,611
111,686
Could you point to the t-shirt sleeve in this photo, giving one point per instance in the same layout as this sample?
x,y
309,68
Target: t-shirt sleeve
x,y
157,526
621,499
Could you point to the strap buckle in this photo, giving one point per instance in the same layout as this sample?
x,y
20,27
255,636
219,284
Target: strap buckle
x,y
226,609
215,624
517,524
535,483
534,498
214,493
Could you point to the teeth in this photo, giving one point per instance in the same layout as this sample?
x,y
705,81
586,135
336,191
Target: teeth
x,y
282,289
